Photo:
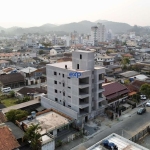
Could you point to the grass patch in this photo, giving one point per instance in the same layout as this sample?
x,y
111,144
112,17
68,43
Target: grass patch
x,y
9,102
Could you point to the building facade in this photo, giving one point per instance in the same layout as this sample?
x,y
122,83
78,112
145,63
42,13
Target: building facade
x,y
98,34
75,88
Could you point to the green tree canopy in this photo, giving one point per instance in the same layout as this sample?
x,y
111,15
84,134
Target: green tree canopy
x,y
14,115
41,52
32,134
125,61
145,89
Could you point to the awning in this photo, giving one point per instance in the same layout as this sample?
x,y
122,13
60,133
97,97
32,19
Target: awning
x,y
132,93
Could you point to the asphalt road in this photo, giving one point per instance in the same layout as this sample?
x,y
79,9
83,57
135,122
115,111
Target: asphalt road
x,y
127,128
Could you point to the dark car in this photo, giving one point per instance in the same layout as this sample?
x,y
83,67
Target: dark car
x,y
141,111
109,145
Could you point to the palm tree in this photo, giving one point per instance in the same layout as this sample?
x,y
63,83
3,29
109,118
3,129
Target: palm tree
x,y
32,134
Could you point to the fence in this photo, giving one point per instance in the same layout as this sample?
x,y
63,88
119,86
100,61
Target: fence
x,y
140,134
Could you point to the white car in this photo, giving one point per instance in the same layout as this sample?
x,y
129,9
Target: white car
x,y
143,97
148,104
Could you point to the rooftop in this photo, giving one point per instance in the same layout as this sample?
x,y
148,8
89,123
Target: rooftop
x,y
26,90
49,120
11,78
121,142
128,74
7,140
17,132
28,70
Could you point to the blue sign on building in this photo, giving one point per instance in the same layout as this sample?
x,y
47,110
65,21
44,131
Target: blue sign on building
x,y
74,74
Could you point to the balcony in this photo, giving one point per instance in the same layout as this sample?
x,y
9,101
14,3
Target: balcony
x,y
84,102
84,92
83,82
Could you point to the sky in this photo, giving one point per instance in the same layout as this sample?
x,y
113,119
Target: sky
x,y
26,13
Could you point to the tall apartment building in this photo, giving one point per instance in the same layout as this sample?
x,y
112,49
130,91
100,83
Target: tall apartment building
x,y
75,88
98,34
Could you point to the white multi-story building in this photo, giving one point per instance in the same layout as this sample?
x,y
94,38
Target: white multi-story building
x,y
75,88
98,34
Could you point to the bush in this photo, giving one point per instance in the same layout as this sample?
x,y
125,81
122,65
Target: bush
x,y
14,115
12,94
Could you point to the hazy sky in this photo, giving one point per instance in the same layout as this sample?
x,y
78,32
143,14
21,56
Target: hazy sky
x,y
37,12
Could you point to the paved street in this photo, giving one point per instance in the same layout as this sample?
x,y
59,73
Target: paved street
x,y
127,128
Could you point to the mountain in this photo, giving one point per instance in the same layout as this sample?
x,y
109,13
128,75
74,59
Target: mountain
x,y
117,27
80,27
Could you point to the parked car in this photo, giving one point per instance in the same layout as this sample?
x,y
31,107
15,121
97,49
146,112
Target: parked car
x,y
143,97
5,90
109,145
141,111
148,104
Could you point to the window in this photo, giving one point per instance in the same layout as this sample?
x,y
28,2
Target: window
x,y
55,73
63,75
59,82
80,56
69,106
69,87
60,100
69,96
77,66
63,84
55,91
60,91
63,93
56,99
68,77
55,82
59,73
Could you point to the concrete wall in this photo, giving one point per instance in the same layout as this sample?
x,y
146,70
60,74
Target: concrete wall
x,y
49,146
47,103
87,61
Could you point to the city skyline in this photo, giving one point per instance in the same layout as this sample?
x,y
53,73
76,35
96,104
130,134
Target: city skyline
x,y
35,13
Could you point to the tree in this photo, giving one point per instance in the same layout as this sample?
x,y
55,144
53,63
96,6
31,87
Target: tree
x,y
32,134
125,61
14,115
145,89
41,52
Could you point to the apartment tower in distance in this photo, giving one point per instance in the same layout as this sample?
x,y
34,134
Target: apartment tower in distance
x,y
98,34
75,88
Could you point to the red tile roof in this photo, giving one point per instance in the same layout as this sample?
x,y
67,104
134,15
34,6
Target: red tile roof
x,y
136,85
7,139
113,88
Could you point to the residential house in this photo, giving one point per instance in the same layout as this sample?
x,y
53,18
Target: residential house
x,y
7,139
33,93
27,73
14,80
56,51
129,74
104,60
115,94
